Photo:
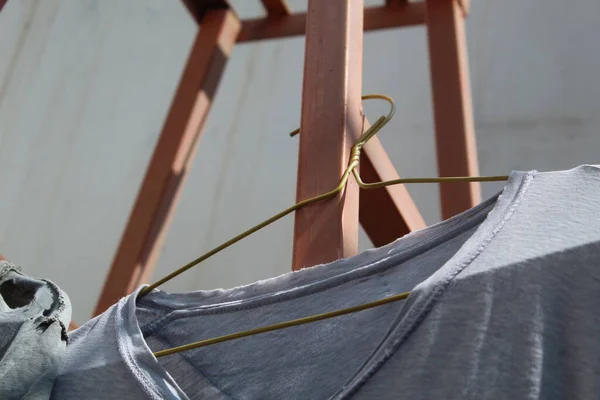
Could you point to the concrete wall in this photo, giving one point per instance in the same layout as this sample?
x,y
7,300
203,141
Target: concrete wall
x,y
85,86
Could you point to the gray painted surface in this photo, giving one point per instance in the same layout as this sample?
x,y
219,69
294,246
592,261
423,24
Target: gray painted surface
x,y
85,87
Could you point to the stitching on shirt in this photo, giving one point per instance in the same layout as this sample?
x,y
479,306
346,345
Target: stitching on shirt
x,y
418,313
385,264
55,317
401,257
146,385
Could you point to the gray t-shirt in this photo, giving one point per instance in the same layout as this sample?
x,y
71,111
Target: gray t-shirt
x,y
34,314
504,305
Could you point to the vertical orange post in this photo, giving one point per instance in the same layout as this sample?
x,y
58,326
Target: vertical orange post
x,y
453,110
174,150
331,120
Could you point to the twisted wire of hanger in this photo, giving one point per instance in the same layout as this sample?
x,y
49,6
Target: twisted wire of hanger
x,y
353,163
354,160
352,168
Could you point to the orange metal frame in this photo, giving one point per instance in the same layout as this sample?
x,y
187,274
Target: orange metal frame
x,y
331,118
330,122
155,204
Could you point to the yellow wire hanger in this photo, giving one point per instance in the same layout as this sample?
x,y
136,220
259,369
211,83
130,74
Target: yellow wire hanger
x,y
352,168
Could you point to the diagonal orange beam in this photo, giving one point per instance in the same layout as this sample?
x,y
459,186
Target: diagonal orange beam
x,y
388,213
276,8
174,150
375,18
452,107
331,121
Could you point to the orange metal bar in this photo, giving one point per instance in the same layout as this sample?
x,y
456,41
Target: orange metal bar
x,y
375,18
276,8
453,112
168,167
331,121
390,212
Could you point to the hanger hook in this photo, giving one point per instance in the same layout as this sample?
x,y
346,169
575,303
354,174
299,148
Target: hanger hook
x,y
381,121
384,119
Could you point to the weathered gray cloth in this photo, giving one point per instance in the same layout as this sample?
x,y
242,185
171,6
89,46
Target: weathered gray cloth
x,y
505,304
34,315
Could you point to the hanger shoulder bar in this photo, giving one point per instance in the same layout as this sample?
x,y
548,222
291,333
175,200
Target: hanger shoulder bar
x,y
352,168
250,231
283,325
404,181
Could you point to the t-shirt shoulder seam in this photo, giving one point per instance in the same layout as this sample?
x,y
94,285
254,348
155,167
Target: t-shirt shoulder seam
x,y
419,312
469,258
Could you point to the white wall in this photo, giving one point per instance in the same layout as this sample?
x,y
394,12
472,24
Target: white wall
x,y
85,86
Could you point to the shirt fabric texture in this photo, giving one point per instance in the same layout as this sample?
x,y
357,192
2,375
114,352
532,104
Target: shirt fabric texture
x,y
34,314
504,305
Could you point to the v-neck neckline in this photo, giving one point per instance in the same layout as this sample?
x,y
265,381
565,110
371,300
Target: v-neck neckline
x,y
489,217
